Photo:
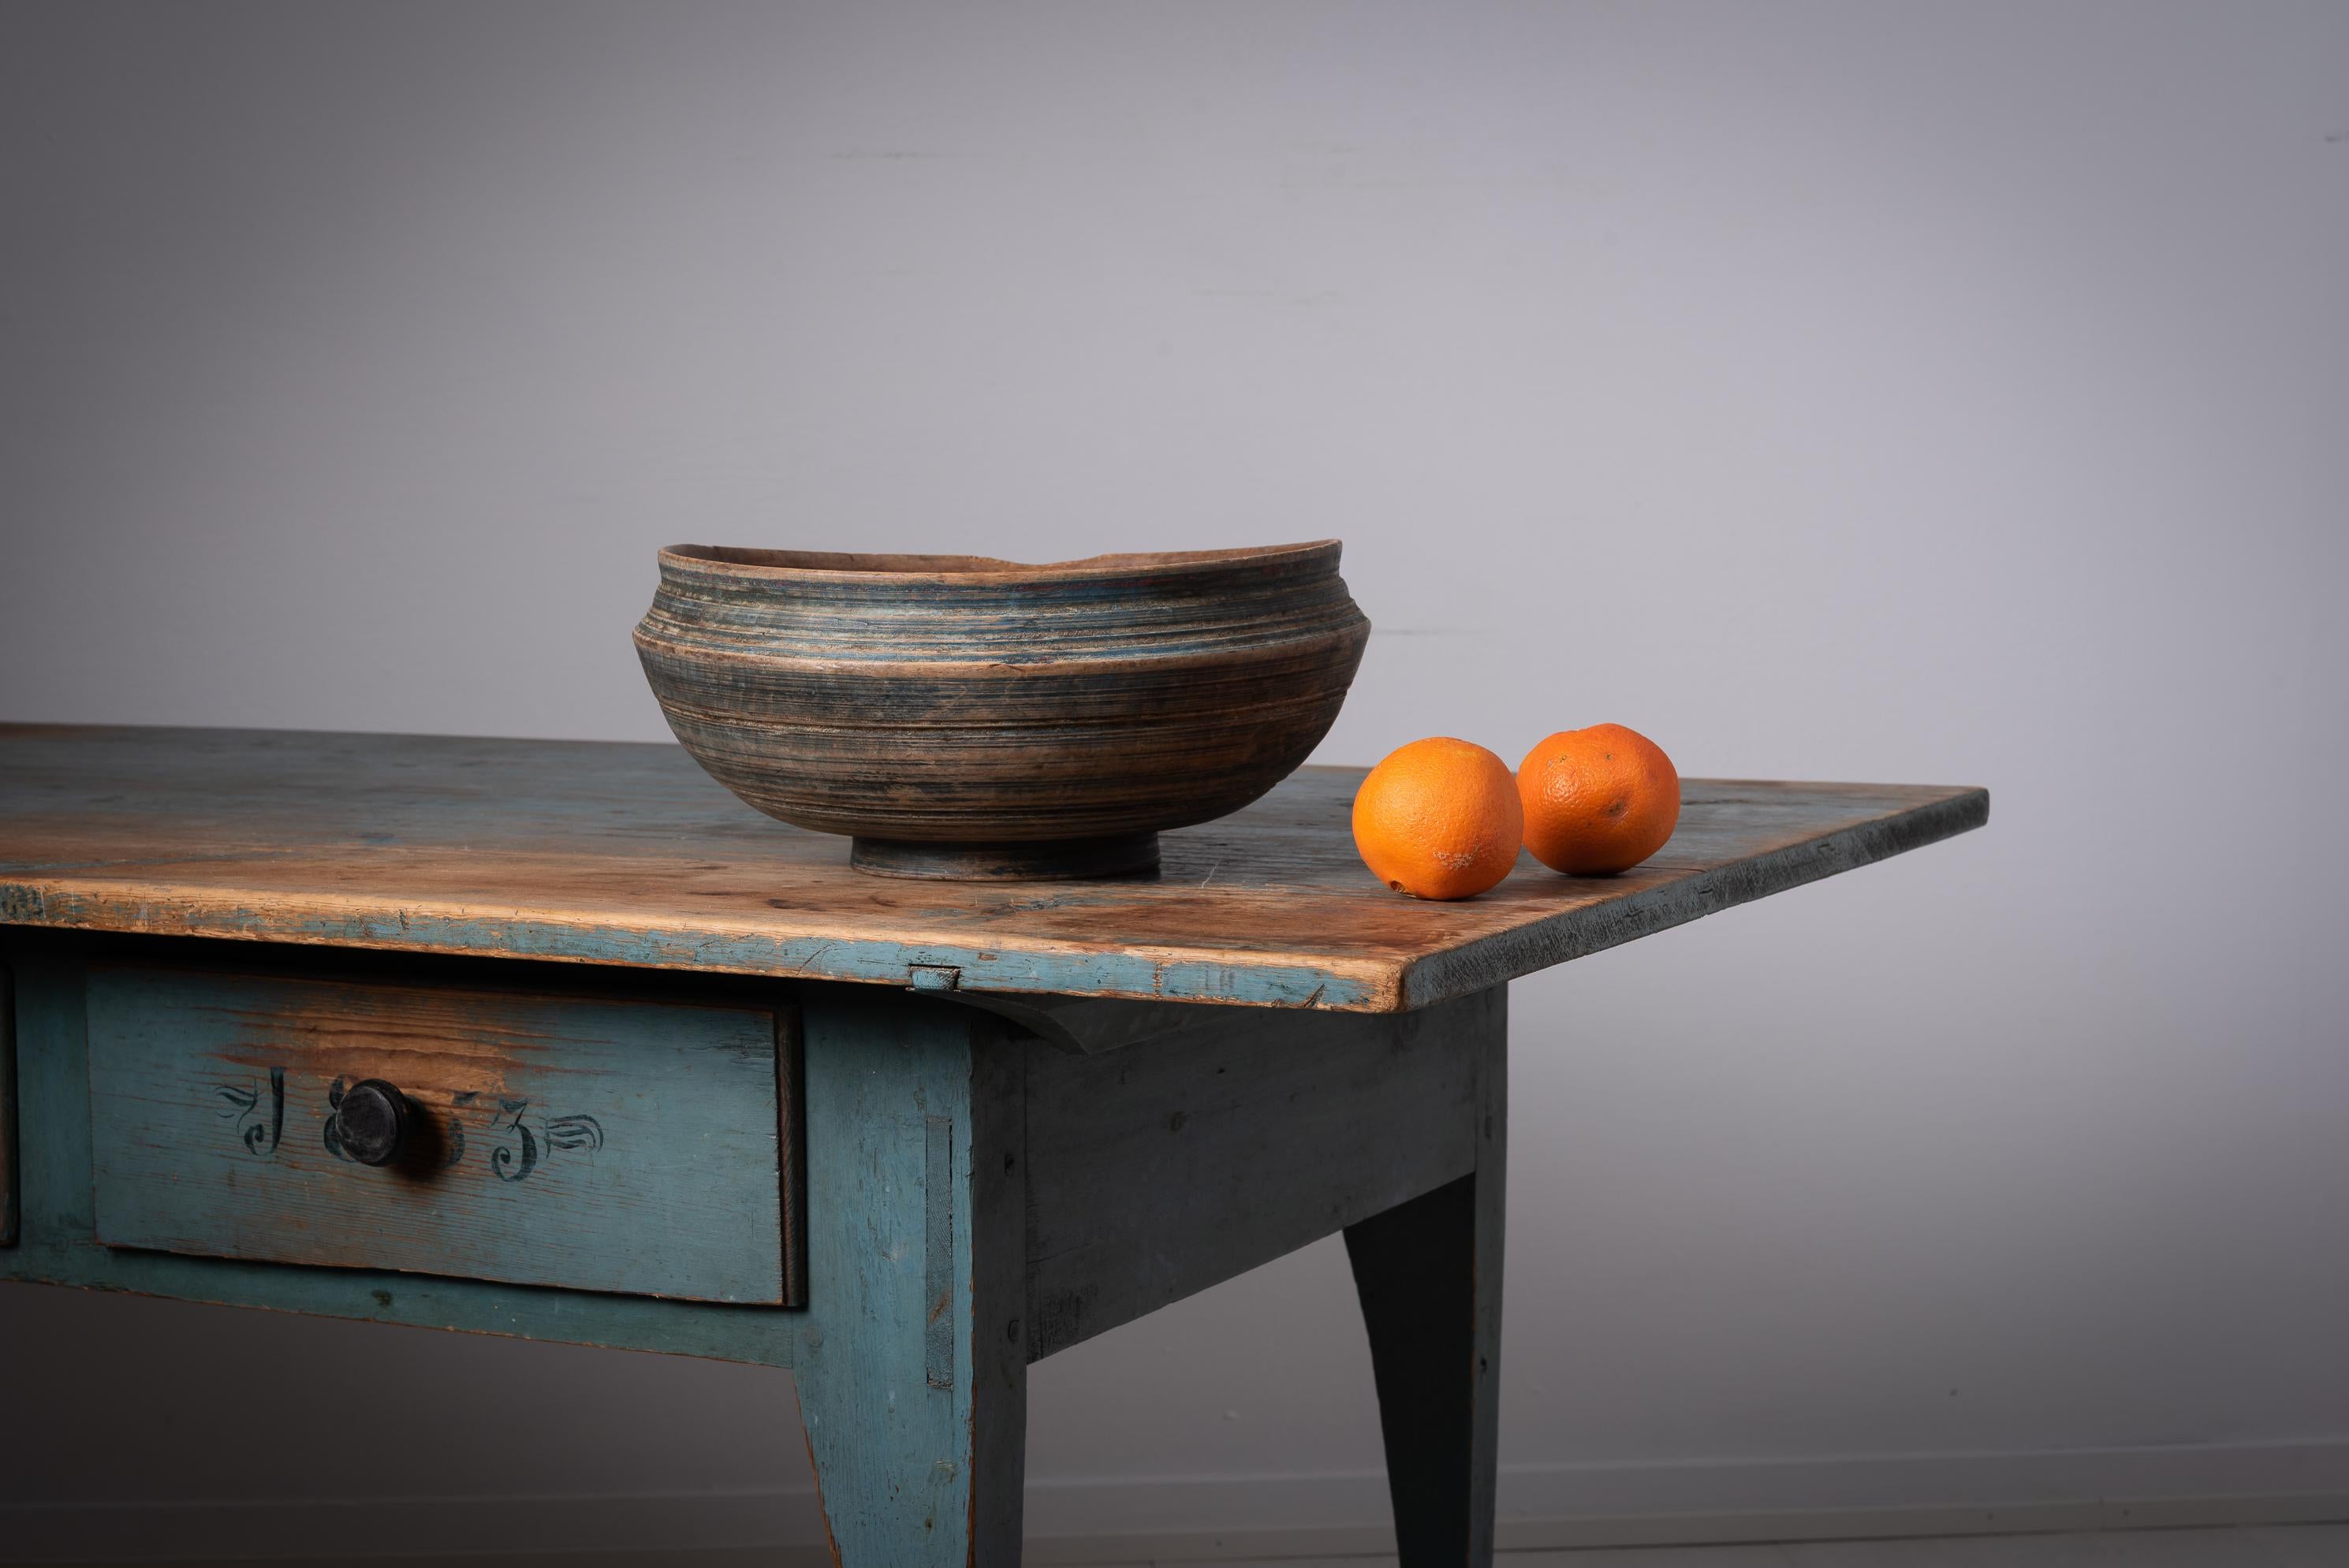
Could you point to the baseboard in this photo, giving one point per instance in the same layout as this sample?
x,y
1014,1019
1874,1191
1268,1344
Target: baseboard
x,y
1228,1518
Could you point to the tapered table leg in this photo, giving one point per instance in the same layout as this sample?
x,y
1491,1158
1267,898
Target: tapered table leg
x,y
1429,1274
912,1374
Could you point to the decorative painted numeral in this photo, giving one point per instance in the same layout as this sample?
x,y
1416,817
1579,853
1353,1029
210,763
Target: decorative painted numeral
x,y
510,1165
259,1135
574,1132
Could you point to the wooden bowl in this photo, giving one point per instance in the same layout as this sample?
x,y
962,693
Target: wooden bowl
x,y
962,716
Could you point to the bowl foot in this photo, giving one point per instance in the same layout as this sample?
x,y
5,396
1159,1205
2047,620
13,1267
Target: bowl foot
x,y
1050,860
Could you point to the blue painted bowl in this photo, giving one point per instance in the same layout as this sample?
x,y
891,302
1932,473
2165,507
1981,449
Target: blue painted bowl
x,y
964,717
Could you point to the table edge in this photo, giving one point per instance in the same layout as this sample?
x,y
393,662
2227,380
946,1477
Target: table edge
x,y
1192,976
1511,954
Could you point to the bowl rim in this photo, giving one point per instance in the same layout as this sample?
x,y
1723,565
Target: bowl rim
x,y
866,566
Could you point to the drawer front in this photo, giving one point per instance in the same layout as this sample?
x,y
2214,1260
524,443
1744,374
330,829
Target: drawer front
x,y
636,1146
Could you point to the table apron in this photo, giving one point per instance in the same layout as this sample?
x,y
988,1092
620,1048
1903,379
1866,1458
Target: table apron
x,y
1153,1172
1163,1168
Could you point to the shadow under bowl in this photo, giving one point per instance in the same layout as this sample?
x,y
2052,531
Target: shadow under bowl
x,y
966,717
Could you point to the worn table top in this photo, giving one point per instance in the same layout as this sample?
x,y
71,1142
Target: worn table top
x,y
629,854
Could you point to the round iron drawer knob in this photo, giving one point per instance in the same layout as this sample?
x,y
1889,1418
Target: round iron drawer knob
x,y
371,1123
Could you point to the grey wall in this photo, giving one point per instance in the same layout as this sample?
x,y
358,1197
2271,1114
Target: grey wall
x,y
1944,393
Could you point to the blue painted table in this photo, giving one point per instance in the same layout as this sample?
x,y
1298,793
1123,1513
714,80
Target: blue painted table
x,y
559,1040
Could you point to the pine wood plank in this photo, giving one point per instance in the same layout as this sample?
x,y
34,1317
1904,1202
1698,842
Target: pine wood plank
x,y
1429,1276
57,1241
1158,1173
606,853
912,1387
612,1144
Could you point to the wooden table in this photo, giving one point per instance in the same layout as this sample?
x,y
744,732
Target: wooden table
x,y
559,1040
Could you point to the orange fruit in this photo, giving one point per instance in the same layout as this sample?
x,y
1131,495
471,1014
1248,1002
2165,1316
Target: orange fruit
x,y
1439,819
1597,800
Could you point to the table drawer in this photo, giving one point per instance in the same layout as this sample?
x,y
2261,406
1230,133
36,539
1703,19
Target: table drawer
x,y
641,1145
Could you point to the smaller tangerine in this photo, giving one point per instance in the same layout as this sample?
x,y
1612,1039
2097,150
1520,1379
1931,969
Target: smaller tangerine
x,y
1439,819
1597,800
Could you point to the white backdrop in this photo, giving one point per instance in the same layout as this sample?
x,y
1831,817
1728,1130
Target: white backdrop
x,y
1927,393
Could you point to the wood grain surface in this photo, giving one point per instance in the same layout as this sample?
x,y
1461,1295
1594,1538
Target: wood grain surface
x,y
910,1364
57,1240
592,1143
1155,1173
1429,1275
629,854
